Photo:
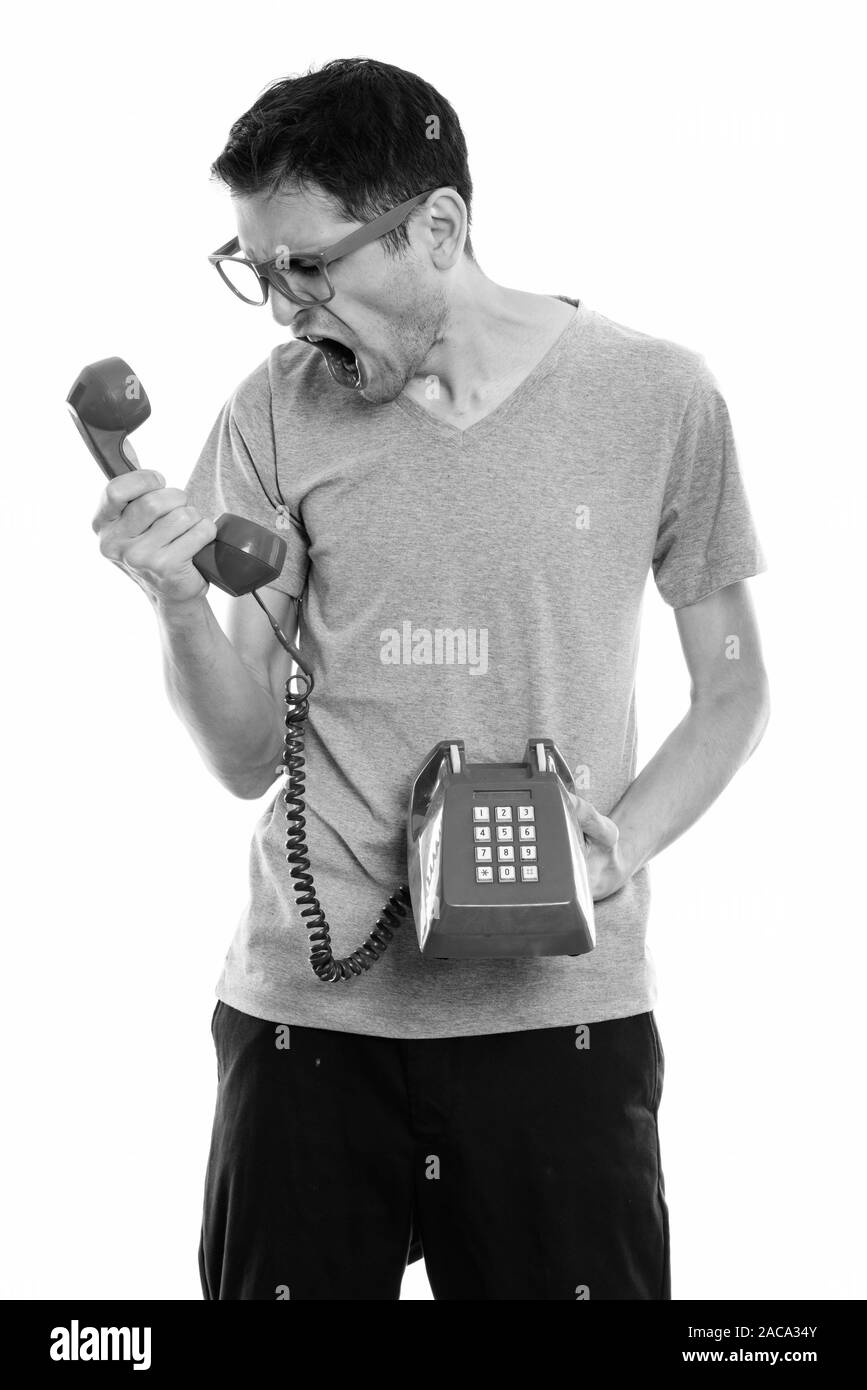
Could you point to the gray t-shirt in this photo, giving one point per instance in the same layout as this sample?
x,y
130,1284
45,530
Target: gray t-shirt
x,y
483,584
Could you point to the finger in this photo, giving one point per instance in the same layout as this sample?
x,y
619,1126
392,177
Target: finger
x,y
122,490
598,827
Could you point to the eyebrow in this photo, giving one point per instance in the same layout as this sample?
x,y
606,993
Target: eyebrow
x,y
300,250
259,259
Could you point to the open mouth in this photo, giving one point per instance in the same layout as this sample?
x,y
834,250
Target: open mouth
x,y
342,362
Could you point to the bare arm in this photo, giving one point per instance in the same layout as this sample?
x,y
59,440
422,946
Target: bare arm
x,y
728,713
222,691
233,719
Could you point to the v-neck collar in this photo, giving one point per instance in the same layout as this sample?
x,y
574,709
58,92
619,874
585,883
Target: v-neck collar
x,y
525,388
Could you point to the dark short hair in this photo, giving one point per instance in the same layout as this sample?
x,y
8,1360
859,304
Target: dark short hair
x,y
359,130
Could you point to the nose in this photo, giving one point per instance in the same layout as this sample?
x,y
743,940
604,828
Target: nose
x,y
283,311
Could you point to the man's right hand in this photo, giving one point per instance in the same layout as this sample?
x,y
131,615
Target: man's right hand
x,y
148,530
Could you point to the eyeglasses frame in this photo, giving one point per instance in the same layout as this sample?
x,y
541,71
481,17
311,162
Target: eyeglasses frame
x,y
367,232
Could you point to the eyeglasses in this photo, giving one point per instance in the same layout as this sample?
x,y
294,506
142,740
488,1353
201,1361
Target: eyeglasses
x,y
301,276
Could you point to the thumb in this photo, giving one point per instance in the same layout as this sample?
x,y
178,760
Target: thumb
x,y
596,826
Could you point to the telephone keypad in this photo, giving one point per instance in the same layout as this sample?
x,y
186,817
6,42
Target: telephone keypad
x,y
505,819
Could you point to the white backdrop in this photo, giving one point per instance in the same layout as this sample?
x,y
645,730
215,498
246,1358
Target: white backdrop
x,y
691,170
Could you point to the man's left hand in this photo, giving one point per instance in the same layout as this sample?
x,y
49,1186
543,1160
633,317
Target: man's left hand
x,y
607,868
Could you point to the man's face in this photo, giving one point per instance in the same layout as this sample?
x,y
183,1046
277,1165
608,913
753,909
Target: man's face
x,y
387,311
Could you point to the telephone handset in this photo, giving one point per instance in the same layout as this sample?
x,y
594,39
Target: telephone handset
x,y
494,850
107,403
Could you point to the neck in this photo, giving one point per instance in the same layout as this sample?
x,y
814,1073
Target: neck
x,y
488,334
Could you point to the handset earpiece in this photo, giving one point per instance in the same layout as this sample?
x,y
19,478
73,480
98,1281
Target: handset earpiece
x,y
107,402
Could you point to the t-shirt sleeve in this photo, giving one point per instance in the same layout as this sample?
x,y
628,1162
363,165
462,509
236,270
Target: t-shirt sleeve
x,y
237,472
706,536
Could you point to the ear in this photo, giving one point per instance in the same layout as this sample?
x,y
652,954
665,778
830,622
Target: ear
x,y
443,226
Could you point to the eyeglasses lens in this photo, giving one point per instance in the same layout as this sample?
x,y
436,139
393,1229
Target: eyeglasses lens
x,y
304,281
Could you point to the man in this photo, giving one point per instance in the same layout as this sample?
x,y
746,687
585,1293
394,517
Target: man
x,y
444,455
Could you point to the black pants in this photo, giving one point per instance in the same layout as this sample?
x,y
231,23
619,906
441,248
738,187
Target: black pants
x,y
527,1163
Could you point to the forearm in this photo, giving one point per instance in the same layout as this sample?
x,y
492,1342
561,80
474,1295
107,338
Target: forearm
x,y
688,772
232,719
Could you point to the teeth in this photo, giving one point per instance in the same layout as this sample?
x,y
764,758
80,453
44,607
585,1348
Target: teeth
x,y
312,339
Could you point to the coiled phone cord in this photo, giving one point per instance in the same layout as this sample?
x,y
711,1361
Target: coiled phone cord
x,y
322,960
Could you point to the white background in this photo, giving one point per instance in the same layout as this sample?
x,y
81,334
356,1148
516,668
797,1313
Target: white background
x,y
691,170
